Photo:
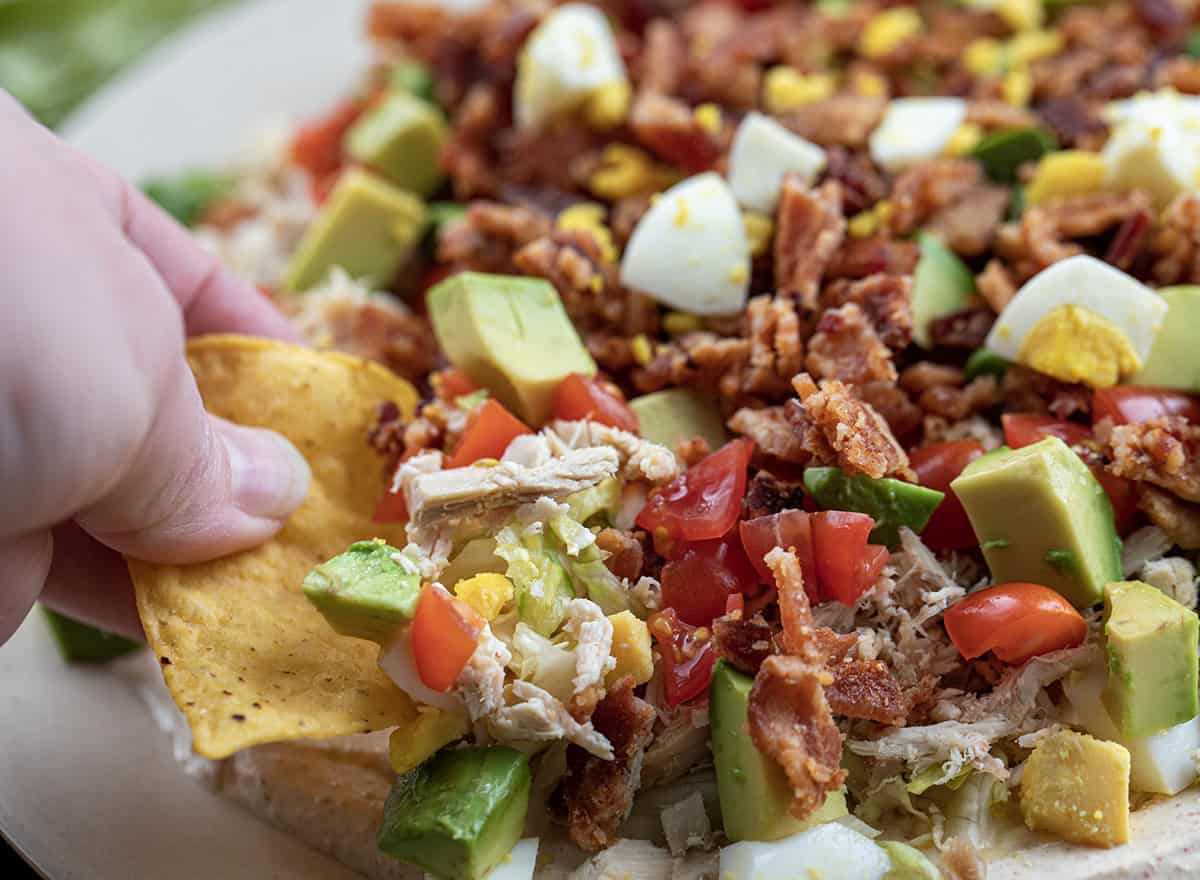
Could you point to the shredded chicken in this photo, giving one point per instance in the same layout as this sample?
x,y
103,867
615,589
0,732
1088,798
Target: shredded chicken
x,y
1175,576
537,716
685,824
627,859
1145,545
593,634
1179,519
481,682
639,459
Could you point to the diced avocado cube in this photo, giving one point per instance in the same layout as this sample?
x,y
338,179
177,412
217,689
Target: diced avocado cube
x,y
364,592
985,363
401,138
460,813
667,417
367,227
891,503
1077,787
1042,518
942,284
186,195
510,335
754,793
411,77
79,643
1151,642
1174,359
1193,43
1003,152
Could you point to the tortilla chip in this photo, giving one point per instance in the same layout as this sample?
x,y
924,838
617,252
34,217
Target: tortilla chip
x,y
244,654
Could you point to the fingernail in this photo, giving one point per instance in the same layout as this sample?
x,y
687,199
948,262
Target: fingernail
x,y
270,478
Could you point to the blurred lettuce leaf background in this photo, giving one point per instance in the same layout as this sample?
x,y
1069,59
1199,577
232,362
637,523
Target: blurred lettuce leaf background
x,y
54,53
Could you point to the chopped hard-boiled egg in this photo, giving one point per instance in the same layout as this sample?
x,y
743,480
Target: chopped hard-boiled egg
x,y
763,152
1154,145
830,851
915,129
689,251
1066,173
1077,786
1080,320
571,56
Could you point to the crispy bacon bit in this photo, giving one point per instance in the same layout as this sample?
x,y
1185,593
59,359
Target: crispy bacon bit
x,y
846,347
923,375
843,120
625,552
1160,16
1047,230
993,114
885,298
1176,245
1070,118
928,187
667,127
386,436
966,329
595,795
995,285
1161,451
771,432
664,58
795,612
866,689
489,234
1179,519
836,427
860,257
862,185
1127,241
790,722
968,224
776,349
1028,391
744,644
902,415
810,228
767,494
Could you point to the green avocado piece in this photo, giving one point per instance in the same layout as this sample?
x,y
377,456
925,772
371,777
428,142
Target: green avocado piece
x,y
667,417
1174,360
367,227
1042,518
363,592
414,78
401,138
942,284
511,335
186,195
985,363
1151,641
754,793
1193,43
460,813
891,503
1002,153
79,643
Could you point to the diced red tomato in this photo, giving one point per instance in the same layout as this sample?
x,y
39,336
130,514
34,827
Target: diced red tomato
x,y
1122,494
453,382
735,603
874,558
699,583
703,502
317,147
1138,403
490,429
1022,430
580,397
391,508
445,632
1014,622
688,656
937,466
787,529
842,554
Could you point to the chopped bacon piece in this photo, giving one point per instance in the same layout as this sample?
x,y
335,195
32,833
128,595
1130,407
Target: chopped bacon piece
x,y
862,185
799,638
1176,243
809,231
669,129
926,188
744,644
866,689
1179,519
860,257
772,433
846,347
625,552
843,120
968,224
663,59
767,494
996,285
965,329
1124,247
1161,451
887,300
596,795
791,723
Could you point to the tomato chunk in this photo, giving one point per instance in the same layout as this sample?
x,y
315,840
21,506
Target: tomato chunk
x,y
1022,430
445,632
1014,622
317,146
688,656
391,508
789,529
1139,403
699,583
703,502
579,397
937,466
844,560
453,382
489,431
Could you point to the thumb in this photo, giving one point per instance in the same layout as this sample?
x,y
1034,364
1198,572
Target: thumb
x,y
199,487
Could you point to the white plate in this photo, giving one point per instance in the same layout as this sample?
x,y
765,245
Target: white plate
x,y
88,786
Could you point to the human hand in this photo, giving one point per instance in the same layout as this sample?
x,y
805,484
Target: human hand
x,y
105,447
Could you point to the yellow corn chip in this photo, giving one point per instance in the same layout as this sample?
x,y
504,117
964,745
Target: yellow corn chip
x,y
244,654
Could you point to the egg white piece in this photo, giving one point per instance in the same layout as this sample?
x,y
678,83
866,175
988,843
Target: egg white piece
x,y
520,864
763,152
915,129
1154,145
1083,281
689,251
831,852
567,58
1159,764
396,661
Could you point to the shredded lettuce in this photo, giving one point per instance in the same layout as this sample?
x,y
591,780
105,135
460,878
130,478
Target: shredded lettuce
x,y
574,536
601,585
599,501
908,862
546,664
542,584
970,810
